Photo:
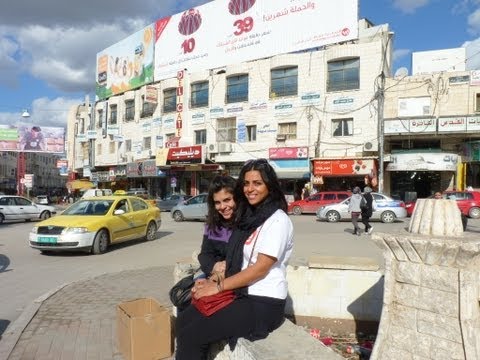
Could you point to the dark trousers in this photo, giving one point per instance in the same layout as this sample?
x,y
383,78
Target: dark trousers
x,y
365,221
248,317
355,216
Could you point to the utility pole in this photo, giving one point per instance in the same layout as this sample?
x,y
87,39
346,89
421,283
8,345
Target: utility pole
x,y
380,128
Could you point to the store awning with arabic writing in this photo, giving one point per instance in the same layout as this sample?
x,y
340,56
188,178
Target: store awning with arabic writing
x,y
80,185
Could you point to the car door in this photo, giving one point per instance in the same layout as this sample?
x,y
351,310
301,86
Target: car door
x,y
122,226
26,209
197,207
7,208
312,203
139,217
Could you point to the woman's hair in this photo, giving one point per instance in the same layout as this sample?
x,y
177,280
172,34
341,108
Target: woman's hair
x,y
269,177
214,219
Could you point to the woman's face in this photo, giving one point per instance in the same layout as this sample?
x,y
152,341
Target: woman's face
x,y
254,187
224,203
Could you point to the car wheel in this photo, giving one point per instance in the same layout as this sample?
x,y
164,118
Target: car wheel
x,y
100,244
178,216
388,217
45,215
2,218
332,216
474,212
151,231
297,210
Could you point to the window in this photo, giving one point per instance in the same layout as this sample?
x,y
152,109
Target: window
x,y
148,108
169,100
477,103
99,149
329,197
288,129
342,127
237,88
284,82
199,94
147,143
251,132
111,147
128,145
113,114
129,110
138,205
99,118
227,129
343,75
200,136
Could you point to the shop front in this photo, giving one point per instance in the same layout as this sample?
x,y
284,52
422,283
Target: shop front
x,y
417,174
292,167
470,166
344,174
185,170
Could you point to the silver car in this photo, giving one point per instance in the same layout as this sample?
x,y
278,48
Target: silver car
x,y
19,208
386,209
195,208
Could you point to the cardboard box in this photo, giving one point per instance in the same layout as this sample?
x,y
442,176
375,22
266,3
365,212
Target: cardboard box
x,y
144,330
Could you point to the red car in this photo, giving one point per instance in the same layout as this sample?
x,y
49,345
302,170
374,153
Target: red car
x,y
468,202
311,204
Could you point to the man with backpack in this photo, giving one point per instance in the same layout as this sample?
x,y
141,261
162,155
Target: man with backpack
x,y
354,207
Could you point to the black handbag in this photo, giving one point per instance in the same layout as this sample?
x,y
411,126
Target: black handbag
x,y
180,293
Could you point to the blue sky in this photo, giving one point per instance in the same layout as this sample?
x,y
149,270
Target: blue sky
x,y
48,48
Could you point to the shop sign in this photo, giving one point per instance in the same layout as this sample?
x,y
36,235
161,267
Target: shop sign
x,y
149,168
151,94
157,122
258,105
452,124
345,167
423,162
134,169
113,129
103,176
475,77
179,121
169,122
185,155
146,127
91,134
216,112
402,126
310,98
198,118
172,142
120,171
283,108
343,103
288,153
81,138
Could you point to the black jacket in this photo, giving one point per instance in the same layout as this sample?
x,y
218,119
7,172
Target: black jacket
x,y
368,210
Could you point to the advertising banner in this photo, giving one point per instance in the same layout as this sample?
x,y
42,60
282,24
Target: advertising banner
x,y
224,32
32,139
126,65
344,167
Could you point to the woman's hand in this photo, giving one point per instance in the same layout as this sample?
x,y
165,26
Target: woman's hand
x,y
204,288
219,267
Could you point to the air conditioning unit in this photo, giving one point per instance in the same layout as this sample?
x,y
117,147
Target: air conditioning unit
x,y
212,148
281,137
370,146
225,147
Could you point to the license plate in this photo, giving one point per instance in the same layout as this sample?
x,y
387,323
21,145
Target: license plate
x,y
47,239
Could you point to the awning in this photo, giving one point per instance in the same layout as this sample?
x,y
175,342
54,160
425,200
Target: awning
x,y
423,161
80,185
291,169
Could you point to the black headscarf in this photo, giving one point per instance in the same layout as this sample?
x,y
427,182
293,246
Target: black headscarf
x,y
251,220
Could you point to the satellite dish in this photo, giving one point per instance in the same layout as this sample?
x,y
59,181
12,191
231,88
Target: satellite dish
x,y
401,72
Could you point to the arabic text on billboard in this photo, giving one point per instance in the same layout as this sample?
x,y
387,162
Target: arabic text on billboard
x,y
225,32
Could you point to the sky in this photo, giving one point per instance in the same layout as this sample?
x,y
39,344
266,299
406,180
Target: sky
x,y
48,48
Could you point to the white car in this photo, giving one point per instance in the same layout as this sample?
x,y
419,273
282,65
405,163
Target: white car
x,y
195,208
42,199
19,208
386,209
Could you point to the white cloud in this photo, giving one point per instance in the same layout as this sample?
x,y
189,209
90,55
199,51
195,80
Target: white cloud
x,y
474,22
409,6
8,65
473,54
400,54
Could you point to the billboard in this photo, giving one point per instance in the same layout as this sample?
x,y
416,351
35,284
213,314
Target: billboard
x,y
34,138
125,65
426,62
226,32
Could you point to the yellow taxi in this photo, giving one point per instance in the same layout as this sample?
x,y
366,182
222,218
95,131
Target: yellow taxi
x,y
92,224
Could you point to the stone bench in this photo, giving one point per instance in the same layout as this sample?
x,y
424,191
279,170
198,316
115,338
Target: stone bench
x,y
288,342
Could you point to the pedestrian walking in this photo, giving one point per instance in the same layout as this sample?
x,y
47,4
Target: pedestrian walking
x,y
354,209
367,209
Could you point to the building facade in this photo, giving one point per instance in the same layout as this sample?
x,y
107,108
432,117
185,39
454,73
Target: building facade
x,y
312,113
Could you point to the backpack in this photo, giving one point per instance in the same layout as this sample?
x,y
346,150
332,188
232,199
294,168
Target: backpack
x,y
363,204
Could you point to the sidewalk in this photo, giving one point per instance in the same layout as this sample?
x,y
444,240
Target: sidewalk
x,y
77,321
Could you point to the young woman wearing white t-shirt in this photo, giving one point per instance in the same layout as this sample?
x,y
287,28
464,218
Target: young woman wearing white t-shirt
x,y
257,255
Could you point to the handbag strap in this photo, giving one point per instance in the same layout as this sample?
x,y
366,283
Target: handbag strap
x,y
254,243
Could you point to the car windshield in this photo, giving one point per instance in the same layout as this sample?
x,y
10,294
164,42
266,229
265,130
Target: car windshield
x,y
89,207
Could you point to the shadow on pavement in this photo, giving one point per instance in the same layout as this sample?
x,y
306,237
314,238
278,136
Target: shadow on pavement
x,y
4,263
3,326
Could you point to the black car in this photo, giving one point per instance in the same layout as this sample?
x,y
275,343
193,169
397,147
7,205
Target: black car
x,y
170,201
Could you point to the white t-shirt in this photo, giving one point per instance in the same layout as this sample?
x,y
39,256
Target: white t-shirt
x,y
275,239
